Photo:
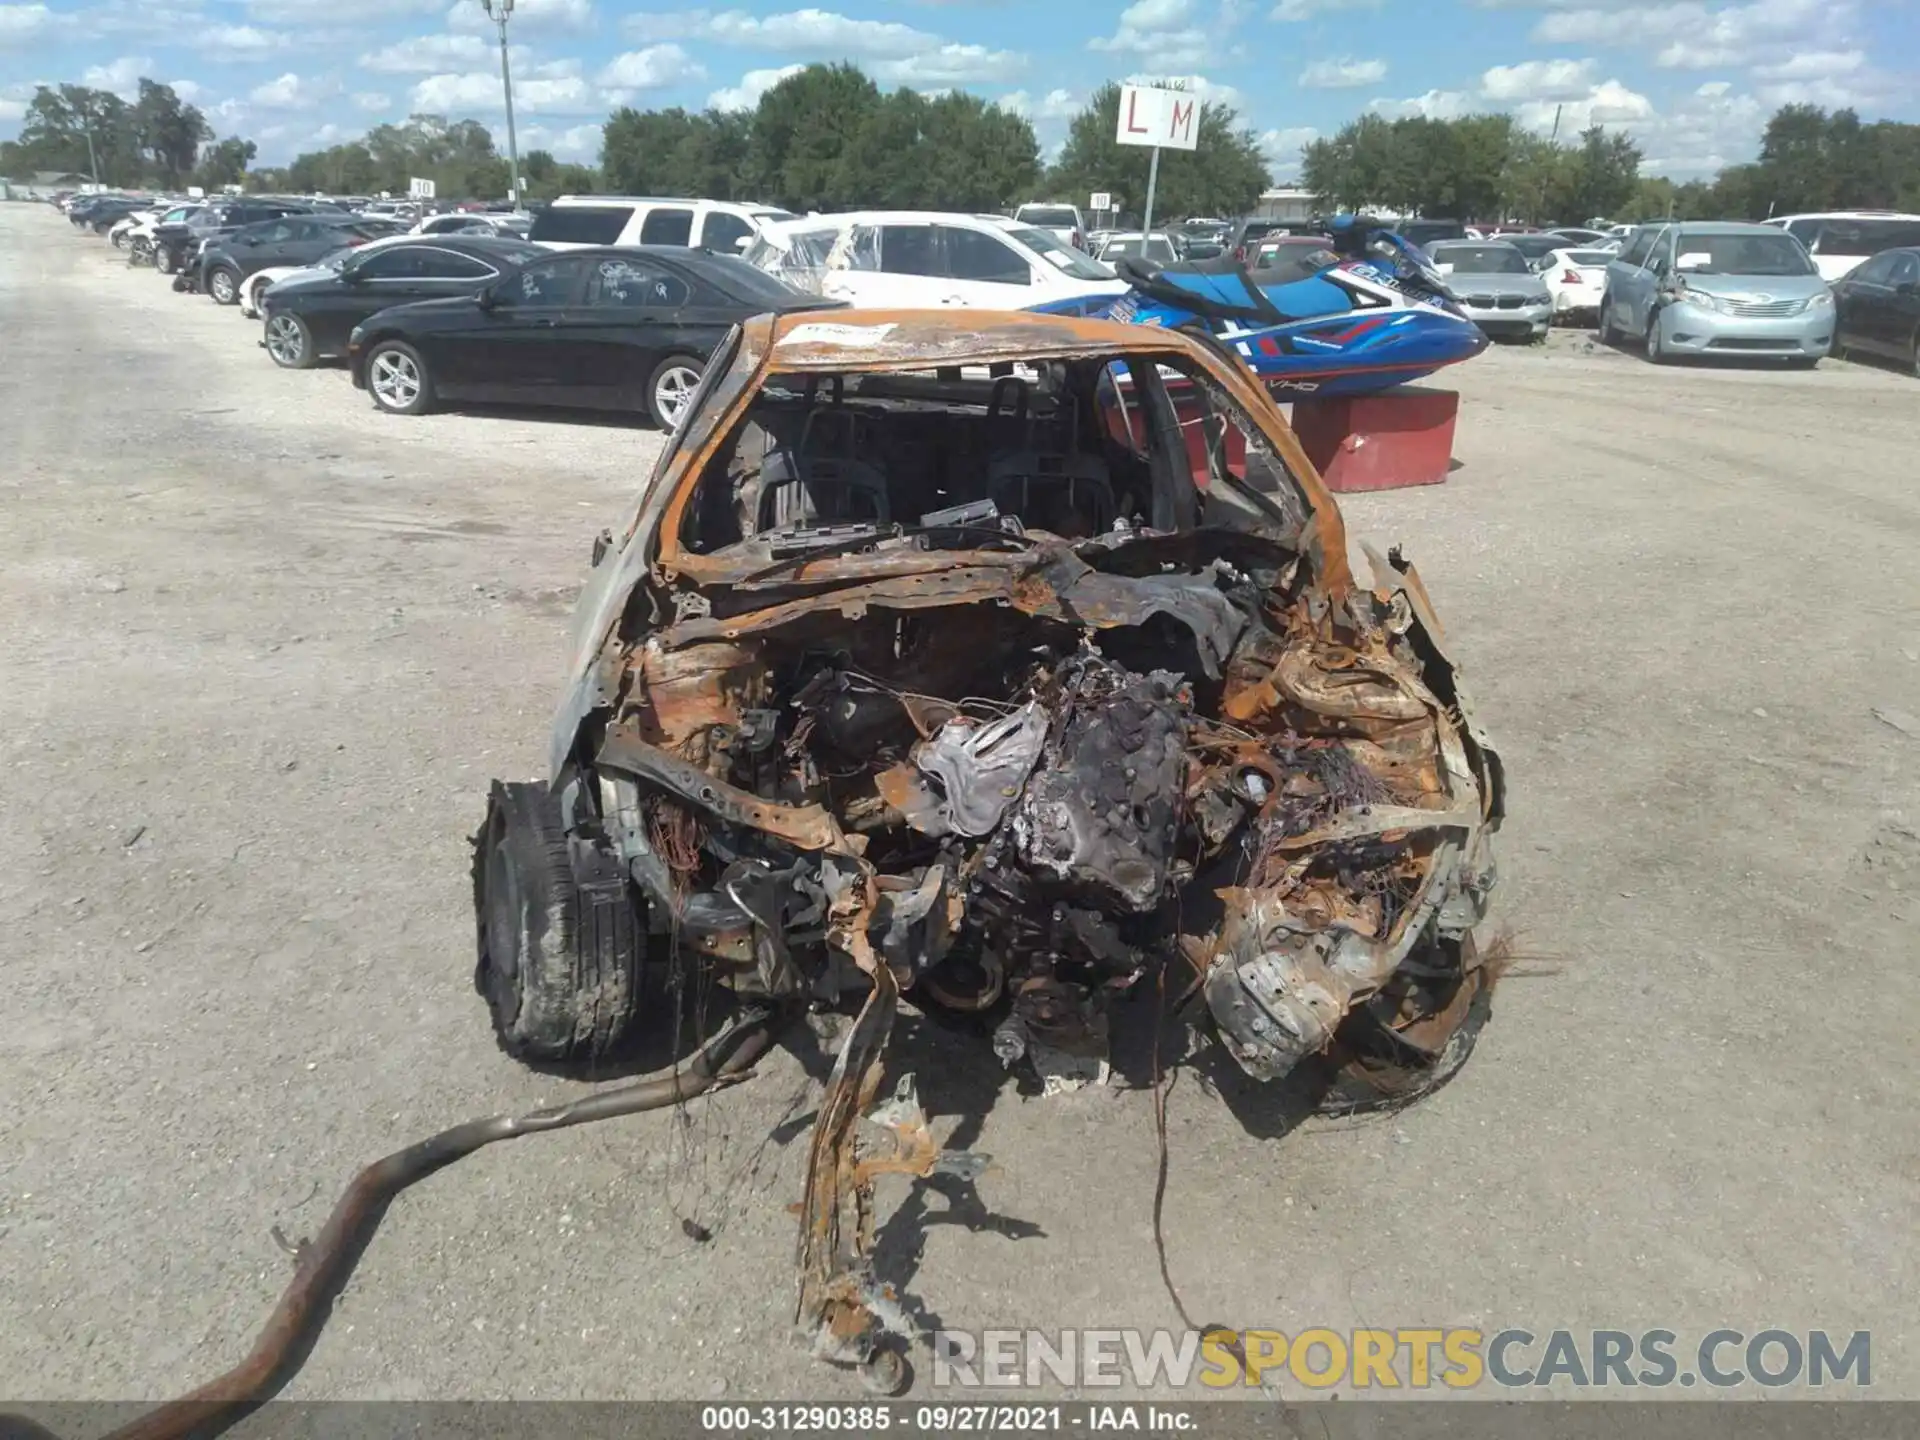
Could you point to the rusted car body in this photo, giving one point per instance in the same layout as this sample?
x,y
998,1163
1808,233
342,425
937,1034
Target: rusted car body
x,y
972,663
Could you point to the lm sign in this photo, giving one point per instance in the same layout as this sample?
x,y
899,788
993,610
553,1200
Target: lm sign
x,y
1169,119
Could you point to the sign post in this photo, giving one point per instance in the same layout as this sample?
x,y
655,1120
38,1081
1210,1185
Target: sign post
x,y
1160,119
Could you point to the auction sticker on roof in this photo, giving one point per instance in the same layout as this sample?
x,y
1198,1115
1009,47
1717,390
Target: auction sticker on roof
x,y
817,333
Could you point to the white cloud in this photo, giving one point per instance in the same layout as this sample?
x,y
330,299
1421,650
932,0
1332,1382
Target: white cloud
x,y
1434,105
21,23
1538,80
290,92
1814,65
1608,103
555,88
188,90
1343,74
950,64
1294,11
650,69
1701,37
437,54
121,76
752,86
810,31
1170,33
339,12
239,42
1282,149
574,17
1059,104
577,143
372,101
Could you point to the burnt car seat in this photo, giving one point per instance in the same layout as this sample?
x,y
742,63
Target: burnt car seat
x,y
821,478
1037,469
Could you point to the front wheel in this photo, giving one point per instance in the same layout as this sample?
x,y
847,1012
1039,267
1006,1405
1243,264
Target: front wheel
x,y
397,379
223,284
670,389
1607,334
1656,347
289,342
559,959
120,241
163,260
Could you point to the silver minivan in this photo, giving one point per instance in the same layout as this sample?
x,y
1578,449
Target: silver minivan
x,y
1717,288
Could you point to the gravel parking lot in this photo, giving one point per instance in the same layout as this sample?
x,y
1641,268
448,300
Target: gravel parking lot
x,y
266,646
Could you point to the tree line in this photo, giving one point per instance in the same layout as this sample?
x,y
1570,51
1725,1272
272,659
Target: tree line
x,y
1490,167
157,139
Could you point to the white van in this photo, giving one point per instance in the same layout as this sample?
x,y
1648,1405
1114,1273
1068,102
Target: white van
x,y
1839,240
719,225
920,259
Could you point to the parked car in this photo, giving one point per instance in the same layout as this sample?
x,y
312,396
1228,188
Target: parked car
x,y
1245,235
717,225
910,259
311,314
1575,279
1536,245
1287,252
175,246
475,223
1579,234
1063,222
604,327
1430,232
1497,289
1878,307
1160,247
1842,239
291,240
1717,288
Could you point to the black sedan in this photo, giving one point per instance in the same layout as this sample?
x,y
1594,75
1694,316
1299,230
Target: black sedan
x,y
288,240
1879,307
609,327
307,318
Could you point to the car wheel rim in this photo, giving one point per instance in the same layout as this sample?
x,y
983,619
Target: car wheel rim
x,y
283,339
222,287
396,379
673,392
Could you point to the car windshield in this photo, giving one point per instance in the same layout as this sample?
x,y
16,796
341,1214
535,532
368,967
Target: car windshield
x,y
1481,259
1711,254
1055,217
1534,246
1589,257
1062,256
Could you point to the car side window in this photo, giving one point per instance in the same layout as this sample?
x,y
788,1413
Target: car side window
x,y
863,248
974,255
1877,271
395,264
1636,252
667,226
1805,231
720,230
273,234
550,282
437,264
908,250
1906,271
1661,259
628,284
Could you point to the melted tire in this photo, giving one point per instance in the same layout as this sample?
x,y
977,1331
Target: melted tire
x,y
558,953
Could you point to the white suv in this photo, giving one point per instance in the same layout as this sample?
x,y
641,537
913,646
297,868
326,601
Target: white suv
x,y
1841,240
576,220
1063,221
920,259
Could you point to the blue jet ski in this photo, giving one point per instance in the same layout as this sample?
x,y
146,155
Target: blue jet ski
x,y
1365,313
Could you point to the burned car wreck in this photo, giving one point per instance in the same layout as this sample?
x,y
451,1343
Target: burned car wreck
x,y
1004,667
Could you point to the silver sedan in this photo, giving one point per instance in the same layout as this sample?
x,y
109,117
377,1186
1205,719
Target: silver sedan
x,y
1496,287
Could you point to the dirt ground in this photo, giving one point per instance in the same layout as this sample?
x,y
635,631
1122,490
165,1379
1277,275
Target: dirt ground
x,y
265,647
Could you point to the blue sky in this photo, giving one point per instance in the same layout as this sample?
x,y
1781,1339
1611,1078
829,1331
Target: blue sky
x,y
1693,80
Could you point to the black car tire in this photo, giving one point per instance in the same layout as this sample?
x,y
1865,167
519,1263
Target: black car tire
x,y
289,341
397,398
163,259
1656,352
558,962
120,241
671,375
1913,352
1605,332
223,284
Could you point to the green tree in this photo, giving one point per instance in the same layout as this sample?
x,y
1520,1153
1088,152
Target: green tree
x,y
224,164
802,133
1223,174
168,131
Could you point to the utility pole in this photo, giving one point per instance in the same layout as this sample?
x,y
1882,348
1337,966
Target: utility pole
x,y
498,11
93,165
